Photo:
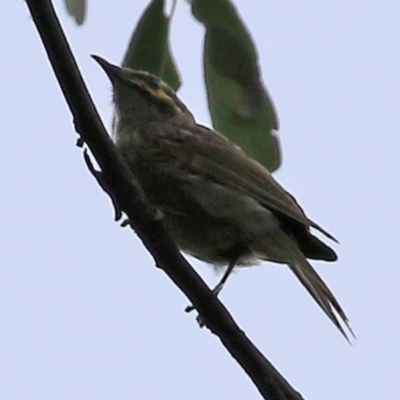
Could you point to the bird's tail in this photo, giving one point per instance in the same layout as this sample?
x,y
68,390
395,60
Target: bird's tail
x,y
284,248
321,293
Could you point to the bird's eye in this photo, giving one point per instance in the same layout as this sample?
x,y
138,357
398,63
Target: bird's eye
x,y
153,84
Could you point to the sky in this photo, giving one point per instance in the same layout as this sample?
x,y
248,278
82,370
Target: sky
x,y
83,312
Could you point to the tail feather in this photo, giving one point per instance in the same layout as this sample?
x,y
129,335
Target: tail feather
x,y
283,248
321,293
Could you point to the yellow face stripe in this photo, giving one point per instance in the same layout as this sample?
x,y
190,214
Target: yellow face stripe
x,y
163,96
160,95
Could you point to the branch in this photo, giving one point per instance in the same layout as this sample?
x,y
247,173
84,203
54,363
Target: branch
x,y
124,190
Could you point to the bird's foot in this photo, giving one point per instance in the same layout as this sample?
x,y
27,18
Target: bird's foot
x,y
200,319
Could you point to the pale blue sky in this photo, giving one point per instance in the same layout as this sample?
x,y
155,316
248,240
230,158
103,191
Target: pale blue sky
x,y
83,312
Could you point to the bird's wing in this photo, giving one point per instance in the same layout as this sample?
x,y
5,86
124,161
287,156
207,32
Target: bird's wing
x,y
208,153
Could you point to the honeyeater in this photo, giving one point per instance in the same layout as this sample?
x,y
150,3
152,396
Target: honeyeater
x,y
218,204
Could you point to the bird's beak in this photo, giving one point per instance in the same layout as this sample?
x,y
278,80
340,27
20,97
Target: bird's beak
x,y
112,71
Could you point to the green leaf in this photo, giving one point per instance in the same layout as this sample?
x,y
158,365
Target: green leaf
x,y
239,104
149,48
77,9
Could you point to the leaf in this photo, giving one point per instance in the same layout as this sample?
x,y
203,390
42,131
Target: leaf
x,y
77,9
149,48
239,104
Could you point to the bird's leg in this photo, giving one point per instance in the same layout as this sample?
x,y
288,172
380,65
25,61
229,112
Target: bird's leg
x,y
221,283
225,277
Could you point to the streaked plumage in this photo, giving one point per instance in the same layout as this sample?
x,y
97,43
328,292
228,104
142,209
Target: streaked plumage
x,y
219,205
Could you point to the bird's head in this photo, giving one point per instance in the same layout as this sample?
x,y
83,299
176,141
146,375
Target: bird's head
x,y
142,96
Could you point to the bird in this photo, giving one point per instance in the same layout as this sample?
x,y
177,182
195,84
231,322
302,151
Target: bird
x,y
218,204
